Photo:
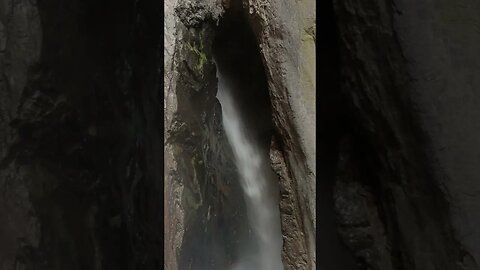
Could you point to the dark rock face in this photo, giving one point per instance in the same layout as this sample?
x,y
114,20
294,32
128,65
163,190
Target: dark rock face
x,y
402,121
332,123
80,141
358,217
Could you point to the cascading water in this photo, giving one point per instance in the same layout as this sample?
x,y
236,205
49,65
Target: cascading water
x,y
252,165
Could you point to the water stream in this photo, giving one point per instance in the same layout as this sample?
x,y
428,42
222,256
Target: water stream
x,y
253,167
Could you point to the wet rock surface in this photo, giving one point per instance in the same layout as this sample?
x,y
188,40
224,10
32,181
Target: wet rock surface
x,y
201,177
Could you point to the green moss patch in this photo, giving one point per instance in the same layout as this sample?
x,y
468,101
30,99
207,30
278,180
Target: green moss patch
x,y
202,58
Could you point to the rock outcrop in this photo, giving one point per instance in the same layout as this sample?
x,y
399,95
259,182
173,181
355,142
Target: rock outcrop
x,y
205,214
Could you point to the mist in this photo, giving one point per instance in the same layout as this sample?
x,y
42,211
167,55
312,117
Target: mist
x,y
258,186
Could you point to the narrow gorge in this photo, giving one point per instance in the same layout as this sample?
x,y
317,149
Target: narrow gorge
x,y
243,95
229,107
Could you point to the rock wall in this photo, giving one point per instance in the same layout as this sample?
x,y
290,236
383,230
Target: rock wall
x,y
80,147
286,35
407,75
205,213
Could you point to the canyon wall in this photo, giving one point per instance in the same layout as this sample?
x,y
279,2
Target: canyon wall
x,y
286,46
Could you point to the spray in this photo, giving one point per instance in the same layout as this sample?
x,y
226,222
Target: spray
x,y
262,209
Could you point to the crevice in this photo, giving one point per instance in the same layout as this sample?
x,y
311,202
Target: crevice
x,y
237,56
243,93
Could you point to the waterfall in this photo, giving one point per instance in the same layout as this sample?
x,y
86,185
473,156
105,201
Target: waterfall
x,y
253,167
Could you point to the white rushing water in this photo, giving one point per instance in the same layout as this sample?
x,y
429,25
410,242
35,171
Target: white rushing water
x,y
263,211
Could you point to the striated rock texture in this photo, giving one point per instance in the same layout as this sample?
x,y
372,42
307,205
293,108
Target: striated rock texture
x,y
80,139
408,83
286,36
